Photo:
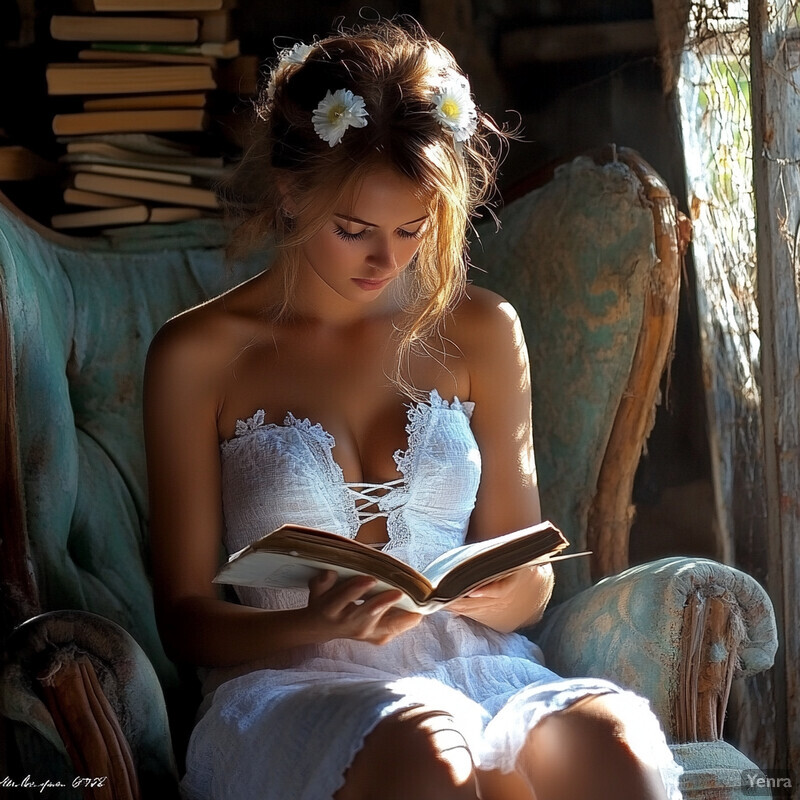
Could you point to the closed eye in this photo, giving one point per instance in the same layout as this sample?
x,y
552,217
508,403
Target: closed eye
x,y
349,237
354,237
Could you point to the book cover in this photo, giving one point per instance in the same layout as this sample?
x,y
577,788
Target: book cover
x,y
99,153
291,555
93,54
221,49
79,197
135,214
180,178
122,215
145,143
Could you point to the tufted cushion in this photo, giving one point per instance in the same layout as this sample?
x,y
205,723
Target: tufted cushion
x,y
82,314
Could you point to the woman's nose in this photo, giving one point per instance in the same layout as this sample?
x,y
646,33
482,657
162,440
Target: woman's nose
x,y
382,254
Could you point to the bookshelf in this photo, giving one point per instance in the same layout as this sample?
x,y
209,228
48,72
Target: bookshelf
x,y
126,112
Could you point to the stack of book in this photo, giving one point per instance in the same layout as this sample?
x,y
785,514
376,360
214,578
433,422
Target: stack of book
x,y
139,105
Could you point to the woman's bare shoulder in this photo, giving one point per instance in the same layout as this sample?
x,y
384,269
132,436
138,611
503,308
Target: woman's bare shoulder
x,y
483,320
206,337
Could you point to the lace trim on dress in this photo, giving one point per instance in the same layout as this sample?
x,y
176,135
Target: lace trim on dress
x,y
419,416
319,442
256,422
322,443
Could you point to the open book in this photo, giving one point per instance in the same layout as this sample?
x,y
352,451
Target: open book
x,y
291,555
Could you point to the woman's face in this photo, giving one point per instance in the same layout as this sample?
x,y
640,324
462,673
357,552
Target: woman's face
x,y
369,239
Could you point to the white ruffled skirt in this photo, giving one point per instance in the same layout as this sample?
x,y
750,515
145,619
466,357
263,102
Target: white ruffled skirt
x,y
292,732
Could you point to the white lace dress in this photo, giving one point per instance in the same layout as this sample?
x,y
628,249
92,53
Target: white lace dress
x,y
288,728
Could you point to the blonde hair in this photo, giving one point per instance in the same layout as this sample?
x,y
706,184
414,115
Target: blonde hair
x,y
395,67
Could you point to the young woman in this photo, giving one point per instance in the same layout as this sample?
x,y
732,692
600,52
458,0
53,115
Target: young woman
x,y
358,385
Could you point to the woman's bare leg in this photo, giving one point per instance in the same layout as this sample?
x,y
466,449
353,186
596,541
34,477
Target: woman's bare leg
x,y
581,753
417,753
587,751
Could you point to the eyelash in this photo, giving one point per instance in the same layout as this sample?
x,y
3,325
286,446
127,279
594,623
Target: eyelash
x,y
354,237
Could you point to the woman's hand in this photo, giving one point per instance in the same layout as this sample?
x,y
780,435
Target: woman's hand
x,y
343,610
511,602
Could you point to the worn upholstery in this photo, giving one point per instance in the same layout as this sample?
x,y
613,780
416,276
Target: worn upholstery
x,y
574,257
82,315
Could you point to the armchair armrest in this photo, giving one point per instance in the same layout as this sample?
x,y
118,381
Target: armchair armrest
x,y
676,630
83,683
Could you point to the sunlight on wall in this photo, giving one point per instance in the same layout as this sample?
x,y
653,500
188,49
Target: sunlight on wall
x,y
714,98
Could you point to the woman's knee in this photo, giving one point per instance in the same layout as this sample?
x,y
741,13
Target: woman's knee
x,y
416,753
607,720
597,737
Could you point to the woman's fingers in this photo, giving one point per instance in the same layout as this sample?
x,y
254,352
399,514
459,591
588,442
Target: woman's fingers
x,y
347,606
322,582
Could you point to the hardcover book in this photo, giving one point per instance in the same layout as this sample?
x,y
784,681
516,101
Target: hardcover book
x,y
291,555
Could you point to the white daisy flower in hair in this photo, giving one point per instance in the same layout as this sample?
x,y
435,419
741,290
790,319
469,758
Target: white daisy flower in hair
x,y
297,54
455,110
337,112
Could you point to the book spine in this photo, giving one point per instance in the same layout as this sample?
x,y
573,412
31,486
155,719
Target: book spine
x,y
147,190
180,178
157,121
134,102
155,29
69,79
158,5
124,215
228,49
80,197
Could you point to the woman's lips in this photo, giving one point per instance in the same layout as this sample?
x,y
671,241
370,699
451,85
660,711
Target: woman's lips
x,y
370,284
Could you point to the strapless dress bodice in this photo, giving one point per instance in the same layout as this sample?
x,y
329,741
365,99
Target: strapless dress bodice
x,y
277,474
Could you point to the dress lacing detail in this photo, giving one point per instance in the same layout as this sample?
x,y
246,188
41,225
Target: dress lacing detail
x,y
367,501
364,504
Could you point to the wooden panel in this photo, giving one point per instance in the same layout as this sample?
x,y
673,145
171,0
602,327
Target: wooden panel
x,y
776,116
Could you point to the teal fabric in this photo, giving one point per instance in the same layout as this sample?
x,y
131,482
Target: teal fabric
x,y
82,313
715,771
630,626
574,258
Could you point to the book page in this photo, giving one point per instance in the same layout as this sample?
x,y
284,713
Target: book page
x,y
445,563
287,571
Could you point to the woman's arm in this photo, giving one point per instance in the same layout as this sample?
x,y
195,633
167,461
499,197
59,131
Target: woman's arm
x,y
181,402
489,334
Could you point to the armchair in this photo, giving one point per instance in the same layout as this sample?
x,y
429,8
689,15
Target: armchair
x,y
86,691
